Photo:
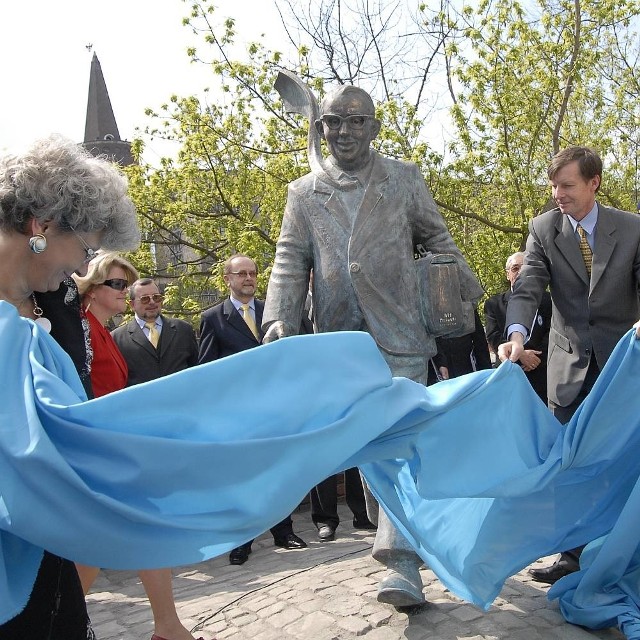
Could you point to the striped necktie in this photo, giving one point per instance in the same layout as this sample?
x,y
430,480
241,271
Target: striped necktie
x,y
154,335
248,318
585,249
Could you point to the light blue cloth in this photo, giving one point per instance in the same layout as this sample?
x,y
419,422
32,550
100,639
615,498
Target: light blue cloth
x,y
475,471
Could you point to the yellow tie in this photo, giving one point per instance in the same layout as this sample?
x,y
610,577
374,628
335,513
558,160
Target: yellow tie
x,y
154,336
248,318
585,249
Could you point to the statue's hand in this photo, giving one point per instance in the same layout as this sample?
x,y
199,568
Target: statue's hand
x,y
275,331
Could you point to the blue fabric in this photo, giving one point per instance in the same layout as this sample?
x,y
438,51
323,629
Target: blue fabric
x,y
475,471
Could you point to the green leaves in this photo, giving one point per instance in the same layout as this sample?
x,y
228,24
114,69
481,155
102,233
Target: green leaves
x,y
508,83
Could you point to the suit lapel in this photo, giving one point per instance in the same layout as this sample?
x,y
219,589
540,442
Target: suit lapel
x,y
137,336
236,320
374,192
605,243
505,300
569,248
167,335
333,204
259,309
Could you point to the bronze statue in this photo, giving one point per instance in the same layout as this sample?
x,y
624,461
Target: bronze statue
x,y
356,220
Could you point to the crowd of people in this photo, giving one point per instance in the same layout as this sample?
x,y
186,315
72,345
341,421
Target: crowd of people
x,y
64,215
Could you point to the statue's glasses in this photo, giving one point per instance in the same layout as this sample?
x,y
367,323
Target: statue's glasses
x,y
355,121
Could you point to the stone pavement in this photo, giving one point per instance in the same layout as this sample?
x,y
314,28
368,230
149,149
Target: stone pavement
x,y
325,592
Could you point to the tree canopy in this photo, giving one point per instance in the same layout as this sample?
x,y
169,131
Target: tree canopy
x,y
508,83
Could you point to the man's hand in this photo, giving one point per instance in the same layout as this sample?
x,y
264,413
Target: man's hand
x,y
513,349
276,331
530,360
636,326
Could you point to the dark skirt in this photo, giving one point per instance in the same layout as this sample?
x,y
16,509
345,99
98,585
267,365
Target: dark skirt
x,y
56,609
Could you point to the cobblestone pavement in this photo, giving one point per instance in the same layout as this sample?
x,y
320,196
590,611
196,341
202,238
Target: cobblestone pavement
x,y
325,592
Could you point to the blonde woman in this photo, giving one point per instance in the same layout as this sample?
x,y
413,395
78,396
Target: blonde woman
x,y
104,292
104,295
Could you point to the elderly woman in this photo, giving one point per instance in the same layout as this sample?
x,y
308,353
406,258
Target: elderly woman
x,y
57,206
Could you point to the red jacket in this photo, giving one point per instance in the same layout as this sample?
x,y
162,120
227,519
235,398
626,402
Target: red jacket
x,y
108,369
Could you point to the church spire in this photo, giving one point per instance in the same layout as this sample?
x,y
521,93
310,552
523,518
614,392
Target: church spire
x,y
101,135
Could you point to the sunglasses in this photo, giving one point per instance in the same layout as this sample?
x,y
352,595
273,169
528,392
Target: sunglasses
x,y
156,297
119,284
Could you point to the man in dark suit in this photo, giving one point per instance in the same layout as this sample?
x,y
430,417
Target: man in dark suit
x,y
223,328
230,327
534,358
176,345
154,346
589,256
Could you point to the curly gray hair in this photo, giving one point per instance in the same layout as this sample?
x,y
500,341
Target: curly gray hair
x,y
57,180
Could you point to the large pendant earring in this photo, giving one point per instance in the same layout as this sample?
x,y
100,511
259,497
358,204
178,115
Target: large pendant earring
x,y
37,243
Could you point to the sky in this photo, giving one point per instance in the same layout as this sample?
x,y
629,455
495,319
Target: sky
x,y
141,45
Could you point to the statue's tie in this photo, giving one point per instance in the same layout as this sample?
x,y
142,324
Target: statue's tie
x,y
248,318
154,336
585,249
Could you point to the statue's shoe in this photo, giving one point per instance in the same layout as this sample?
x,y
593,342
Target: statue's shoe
x,y
400,591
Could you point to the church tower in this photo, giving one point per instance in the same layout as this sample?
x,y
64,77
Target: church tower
x,y
101,135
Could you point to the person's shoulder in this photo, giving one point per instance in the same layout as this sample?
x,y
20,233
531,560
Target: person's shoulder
x,y
494,299
303,183
395,165
619,215
125,327
176,322
544,223
547,217
216,310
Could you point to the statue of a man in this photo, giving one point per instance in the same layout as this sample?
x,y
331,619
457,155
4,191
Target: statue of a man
x,y
360,241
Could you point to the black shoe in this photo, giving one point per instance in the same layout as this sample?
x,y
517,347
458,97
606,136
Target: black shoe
x,y
240,555
364,523
290,541
551,575
326,533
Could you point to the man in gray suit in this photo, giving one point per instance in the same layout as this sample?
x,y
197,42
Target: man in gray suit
x,y
356,224
176,349
594,286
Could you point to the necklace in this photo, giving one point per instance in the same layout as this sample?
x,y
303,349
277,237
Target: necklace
x,y
44,323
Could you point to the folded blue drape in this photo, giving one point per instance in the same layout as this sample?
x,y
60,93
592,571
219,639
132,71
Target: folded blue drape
x,y
475,471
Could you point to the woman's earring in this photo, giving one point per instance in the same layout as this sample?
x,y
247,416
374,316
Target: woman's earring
x,y
37,243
